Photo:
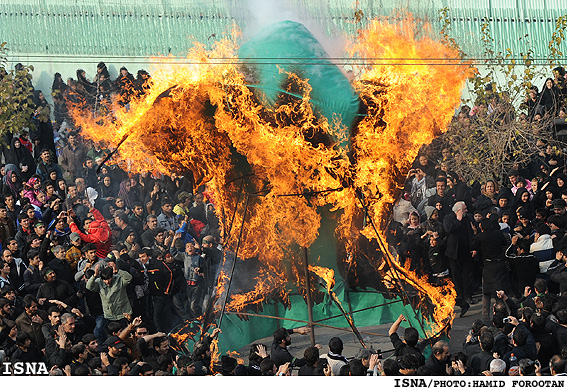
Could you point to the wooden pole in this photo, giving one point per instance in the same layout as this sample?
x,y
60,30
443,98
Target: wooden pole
x,y
308,295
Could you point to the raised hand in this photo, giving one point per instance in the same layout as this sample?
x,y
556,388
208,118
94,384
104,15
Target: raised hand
x,y
261,351
527,291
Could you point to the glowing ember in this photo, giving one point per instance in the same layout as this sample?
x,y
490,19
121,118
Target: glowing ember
x,y
206,118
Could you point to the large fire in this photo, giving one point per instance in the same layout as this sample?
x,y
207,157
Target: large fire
x,y
205,117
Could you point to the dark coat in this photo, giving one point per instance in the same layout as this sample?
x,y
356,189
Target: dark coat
x,y
436,367
529,350
22,157
461,192
160,278
62,269
558,332
306,370
72,159
446,203
483,204
32,280
7,229
25,324
401,348
31,355
281,356
547,345
501,345
559,275
459,235
495,276
59,290
479,362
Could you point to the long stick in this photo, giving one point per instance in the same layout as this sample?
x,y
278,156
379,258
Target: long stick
x,y
347,317
361,310
300,321
229,231
113,152
386,254
235,258
308,295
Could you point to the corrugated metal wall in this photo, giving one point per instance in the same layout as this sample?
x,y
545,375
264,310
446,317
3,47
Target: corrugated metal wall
x,y
152,27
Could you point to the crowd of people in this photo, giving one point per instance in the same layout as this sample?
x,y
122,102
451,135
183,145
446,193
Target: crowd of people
x,y
551,100
502,240
97,266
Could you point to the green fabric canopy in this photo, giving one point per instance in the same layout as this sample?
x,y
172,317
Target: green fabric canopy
x,y
290,47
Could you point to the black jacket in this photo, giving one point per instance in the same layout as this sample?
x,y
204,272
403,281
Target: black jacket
x,y
59,290
446,203
558,332
281,356
491,244
148,237
559,275
160,278
137,224
479,362
436,367
547,345
402,348
32,280
149,353
130,265
31,355
461,192
62,270
501,344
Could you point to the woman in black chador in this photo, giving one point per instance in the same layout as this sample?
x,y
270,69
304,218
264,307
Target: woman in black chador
x,y
22,158
550,97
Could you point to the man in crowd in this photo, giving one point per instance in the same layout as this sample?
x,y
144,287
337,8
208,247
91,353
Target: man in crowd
x,y
459,231
110,283
46,165
7,225
150,233
31,320
409,344
167,220
441,200
282,339
72,157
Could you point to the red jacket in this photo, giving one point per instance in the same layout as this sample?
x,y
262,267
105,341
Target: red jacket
x,y
198,226
99,234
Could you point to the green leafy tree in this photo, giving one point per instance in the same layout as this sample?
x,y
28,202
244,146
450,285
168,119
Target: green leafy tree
x,y
16,104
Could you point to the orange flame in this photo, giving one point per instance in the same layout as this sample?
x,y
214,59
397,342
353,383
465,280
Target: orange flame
x,y
266,283
327,274
235,354
184,334
222,283
215,355
192,116
408,105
